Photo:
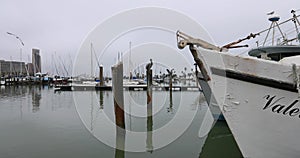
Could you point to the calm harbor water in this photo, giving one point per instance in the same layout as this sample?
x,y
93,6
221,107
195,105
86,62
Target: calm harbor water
x,y
36,122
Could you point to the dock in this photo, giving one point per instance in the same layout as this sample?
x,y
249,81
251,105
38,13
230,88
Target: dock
x,y
125,87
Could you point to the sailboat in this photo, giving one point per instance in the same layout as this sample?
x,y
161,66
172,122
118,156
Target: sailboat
x,y
258,94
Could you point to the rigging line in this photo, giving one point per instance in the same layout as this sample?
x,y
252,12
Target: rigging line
x,y
97,59
64,67
278,24
61,66
288,32
56,66
71,64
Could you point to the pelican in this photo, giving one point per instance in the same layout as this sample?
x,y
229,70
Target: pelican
x,y
149,65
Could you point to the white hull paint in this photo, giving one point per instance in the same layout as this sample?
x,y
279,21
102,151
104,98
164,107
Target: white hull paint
x,y
262,115
2,82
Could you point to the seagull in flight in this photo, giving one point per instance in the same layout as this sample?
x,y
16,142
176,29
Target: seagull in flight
x,y
271,13
16,37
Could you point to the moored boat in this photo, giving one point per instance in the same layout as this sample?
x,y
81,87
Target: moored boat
x,y
258,95
2,81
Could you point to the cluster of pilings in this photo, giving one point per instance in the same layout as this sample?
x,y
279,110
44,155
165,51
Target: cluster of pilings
x,y
117,84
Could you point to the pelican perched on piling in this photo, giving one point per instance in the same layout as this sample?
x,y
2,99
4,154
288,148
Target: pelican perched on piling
x,y
149,65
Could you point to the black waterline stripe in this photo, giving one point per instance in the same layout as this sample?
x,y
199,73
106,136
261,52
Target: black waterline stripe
x,y
254,79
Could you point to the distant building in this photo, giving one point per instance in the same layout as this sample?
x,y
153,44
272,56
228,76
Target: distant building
x,y
16,68
36,61
12,68
29,67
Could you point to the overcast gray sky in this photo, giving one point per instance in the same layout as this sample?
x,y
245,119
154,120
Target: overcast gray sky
x,y
61,25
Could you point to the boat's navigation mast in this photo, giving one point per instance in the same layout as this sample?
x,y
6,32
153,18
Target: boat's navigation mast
x,y
274,23
297,23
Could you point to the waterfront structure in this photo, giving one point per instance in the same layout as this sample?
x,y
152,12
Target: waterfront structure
x,y
12,68
29,67
36,60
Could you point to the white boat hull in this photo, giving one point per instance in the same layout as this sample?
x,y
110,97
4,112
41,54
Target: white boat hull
x,y
2,82
258,101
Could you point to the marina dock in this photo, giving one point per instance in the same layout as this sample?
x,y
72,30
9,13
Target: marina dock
x,y
125,87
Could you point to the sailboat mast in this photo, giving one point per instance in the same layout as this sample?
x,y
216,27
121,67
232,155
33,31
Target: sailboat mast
x,y
92,60
21,70
129,62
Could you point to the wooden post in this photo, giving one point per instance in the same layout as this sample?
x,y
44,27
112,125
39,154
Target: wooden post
x,y
101,76
170,82
170,88
130,76
149,86
117,86
149,144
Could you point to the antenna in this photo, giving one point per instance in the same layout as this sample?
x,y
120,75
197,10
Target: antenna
x,y
274,23
296,21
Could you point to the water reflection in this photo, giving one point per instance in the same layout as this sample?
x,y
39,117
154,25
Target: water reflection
x,y
120,128
149,140
101,101
36,98
120,142
153,116
19,92
96,109
12,91
220,138
149,145
170,108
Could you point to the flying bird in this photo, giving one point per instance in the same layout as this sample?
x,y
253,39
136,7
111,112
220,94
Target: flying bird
x,y
16,37
271,13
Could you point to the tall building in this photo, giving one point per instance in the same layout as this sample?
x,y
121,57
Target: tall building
x,y
36,61
12,68
29,67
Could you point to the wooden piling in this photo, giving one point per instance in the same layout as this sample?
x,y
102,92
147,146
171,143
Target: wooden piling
x,y
101,76
170,89
149,86
170,82
149,144
117,87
